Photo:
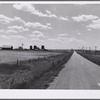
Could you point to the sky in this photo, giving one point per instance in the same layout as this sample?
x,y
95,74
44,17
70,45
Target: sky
x,y
57,26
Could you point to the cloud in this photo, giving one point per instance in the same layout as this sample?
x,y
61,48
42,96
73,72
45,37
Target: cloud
x,y
2,31
74,40
4,36
17,37
13,36
49,24
49,14
78,33
64,40
37,25
31,9
58,39
62,34
6,20
96,21
89,29
37,34
19,20
84,18
95,24
63,18
19,28
28,8
8,31
11,31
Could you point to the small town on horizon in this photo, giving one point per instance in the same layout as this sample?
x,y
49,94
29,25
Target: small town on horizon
x,y
42,48
10,47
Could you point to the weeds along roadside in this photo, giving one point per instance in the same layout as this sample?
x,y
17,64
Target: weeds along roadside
x,y
19,74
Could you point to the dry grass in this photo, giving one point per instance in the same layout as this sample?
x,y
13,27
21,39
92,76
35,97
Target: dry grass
x,y
11,55
19,74
92,57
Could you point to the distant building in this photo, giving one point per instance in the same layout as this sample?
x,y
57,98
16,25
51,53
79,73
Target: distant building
x,y
36,48
30,47
20,48
7,47
42,47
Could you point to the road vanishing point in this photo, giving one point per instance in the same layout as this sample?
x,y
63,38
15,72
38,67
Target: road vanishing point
x,y
78,73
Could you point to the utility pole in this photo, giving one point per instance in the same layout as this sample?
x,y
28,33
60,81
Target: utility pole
x,y
95,49
90,49
83,48
22,45
86,49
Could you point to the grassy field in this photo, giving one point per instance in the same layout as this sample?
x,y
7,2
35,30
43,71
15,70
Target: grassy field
x,y
7,56
22,73
92,56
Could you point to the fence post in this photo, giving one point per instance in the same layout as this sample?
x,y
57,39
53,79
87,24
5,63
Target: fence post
x,y
53,64
17,62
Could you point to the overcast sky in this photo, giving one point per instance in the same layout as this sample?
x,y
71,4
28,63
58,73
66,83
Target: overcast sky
x,y
57,26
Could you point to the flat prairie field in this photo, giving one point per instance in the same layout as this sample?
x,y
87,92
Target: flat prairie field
x,y
7,56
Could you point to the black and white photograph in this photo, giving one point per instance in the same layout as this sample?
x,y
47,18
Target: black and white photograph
x,y
50,46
